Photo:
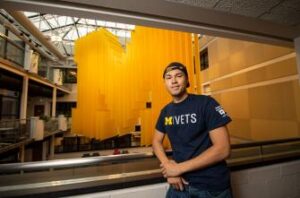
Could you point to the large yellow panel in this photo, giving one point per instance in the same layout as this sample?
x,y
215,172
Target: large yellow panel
x,y
230,55
270,72
274,102
239,80
204,76
273,129
256,75
240,128
296,88
114,84
281,69
262,112
236,103
221,84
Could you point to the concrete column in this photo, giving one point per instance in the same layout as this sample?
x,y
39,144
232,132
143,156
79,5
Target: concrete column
x,y
297,50
52,147
24,99
54,101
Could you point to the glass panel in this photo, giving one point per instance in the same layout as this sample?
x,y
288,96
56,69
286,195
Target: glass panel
x,y
9,108
52,22
15,54
91,22
31,14
16,39
43,68
110,24
2,29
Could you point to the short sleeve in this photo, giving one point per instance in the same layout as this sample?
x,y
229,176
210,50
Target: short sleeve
x,y
160,124
215,116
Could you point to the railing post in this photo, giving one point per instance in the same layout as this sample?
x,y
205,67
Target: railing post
x,y
22,153
52,147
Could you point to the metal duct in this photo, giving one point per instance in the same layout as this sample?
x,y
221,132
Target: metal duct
x,y
26,23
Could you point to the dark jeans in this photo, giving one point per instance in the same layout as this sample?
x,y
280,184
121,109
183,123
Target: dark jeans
x,y
191,192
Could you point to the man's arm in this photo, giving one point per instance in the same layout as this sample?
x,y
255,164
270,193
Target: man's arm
x,y
176,182
157,145
219,151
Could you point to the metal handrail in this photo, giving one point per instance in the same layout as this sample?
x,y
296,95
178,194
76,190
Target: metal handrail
x,y
67,163
13,131
264,142
79,162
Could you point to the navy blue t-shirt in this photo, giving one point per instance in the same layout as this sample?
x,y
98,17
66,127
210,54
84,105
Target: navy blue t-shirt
x,y
188,124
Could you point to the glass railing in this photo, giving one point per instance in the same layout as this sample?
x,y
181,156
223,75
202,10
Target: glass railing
x,y
11,50
13,131
51,125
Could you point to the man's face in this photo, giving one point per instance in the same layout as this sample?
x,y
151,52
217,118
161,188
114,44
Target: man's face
x,y
176,82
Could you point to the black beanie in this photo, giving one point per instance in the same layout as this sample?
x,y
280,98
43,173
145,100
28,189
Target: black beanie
x,y
177,65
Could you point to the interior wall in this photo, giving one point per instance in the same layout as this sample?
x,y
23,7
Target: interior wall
x,y
258,86
32,101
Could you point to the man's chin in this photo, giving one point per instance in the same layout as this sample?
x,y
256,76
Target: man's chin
x,y
177,94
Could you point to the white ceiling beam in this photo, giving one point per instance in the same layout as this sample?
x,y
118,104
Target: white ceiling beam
x,y
163,14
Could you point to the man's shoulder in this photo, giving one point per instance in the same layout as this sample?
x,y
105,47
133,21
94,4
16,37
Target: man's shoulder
x,y
200,97
169,105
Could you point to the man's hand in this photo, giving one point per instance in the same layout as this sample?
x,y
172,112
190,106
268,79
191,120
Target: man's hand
x,y
170,169
177,183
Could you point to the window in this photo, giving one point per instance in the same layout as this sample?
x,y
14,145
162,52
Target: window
x,y
70,76
204,59
65,108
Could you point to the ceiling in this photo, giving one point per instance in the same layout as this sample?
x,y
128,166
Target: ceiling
x,y
286,12
273,21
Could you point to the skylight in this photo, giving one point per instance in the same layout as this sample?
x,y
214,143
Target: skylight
x,y
64,30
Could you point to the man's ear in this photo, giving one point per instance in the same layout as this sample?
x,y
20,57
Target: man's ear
x,y
187,84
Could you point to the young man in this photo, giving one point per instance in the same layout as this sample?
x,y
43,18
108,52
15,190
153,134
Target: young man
x,y
196,127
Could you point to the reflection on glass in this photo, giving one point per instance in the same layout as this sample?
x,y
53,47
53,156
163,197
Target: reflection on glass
x,y
15,54
9,108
